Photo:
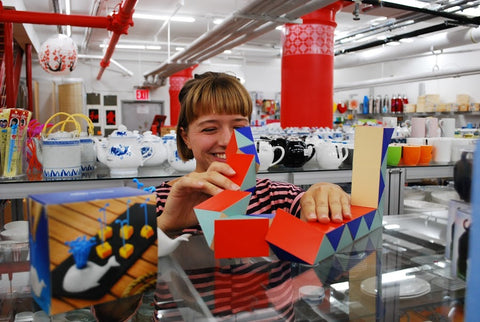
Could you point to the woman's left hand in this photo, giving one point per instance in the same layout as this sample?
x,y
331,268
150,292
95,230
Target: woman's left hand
x,y
325,202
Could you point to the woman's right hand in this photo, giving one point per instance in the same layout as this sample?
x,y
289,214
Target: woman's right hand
x,y
189,191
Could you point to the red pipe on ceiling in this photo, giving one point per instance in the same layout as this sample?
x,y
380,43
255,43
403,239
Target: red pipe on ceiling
x,y
120,24
47,18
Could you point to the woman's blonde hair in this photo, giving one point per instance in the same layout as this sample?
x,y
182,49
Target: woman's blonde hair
x,y
209,93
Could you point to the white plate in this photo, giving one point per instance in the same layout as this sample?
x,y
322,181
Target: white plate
x,y
407,288
423,205
444,197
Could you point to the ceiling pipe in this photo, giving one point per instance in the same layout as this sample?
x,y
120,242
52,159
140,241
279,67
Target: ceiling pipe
x,y
218,39
458,72
46,18
56,9
88,32
466,36
460,18
119,26
395,38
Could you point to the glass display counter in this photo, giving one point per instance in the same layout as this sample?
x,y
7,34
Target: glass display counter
x,y
192,285
21,188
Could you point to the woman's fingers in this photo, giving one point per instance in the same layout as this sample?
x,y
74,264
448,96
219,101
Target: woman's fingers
x,y
325,202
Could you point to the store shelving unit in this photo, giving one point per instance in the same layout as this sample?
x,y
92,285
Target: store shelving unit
x,y
395,181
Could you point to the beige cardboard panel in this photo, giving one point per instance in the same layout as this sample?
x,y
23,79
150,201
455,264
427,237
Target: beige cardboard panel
x,y
366,166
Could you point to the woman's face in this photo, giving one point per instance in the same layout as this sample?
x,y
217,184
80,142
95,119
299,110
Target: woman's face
x,y
209,135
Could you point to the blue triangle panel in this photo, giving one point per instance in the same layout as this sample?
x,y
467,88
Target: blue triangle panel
x,y
284,255
247,132
335,235
381,187
353,226
387,136
369,218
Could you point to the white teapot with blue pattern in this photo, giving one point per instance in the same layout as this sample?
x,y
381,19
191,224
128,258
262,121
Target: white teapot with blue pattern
x,y
122,152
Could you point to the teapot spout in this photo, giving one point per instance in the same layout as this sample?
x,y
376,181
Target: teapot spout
x,y
38,149
101,148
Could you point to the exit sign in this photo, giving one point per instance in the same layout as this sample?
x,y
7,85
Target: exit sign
x,y
142,94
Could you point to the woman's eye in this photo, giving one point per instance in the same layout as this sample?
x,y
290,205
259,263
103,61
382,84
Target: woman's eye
x,y
209,129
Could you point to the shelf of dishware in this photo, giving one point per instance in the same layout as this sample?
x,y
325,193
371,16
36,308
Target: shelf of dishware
x,y
21,188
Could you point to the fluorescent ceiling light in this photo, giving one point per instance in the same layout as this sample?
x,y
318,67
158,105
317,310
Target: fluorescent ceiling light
x,y
217,21
134,46
228,51
147,16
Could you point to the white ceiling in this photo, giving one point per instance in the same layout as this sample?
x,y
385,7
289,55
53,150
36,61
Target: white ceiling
x,y
181,34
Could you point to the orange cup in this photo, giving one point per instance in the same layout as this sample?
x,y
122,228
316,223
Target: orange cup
x,y
411,154
425,154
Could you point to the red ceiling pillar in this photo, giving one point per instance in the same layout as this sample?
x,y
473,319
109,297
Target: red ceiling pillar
x,y
307,70
177,81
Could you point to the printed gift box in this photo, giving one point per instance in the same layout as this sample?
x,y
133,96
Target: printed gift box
x,y
90,247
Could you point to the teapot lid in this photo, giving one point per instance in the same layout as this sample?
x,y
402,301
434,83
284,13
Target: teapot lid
x,y
148,136
122,132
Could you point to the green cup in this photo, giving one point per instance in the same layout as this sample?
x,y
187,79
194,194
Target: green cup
x,y
394,154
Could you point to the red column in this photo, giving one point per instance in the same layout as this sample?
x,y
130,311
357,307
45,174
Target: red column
x,y
307,70
176,83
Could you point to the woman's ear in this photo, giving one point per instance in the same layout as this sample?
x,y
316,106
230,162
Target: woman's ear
x,y
183,134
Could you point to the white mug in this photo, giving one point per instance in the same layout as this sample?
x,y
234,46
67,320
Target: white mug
x,y
418,127
447,127
442,150
266,154
431,127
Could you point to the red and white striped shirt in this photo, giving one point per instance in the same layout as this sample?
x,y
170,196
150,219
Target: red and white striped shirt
x,y
268,197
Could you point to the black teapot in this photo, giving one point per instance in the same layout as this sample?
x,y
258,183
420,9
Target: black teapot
x,y
297,152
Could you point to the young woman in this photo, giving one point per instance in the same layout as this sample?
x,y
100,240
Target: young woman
x,y
212,105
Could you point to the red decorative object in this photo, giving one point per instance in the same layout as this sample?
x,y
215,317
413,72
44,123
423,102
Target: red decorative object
x,y
58,55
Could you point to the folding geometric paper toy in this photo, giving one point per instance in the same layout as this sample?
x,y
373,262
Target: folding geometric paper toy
x,y
242,157
228,204
293,239
241,237
311,242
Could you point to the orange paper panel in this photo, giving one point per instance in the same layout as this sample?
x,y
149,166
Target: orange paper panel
x,y
223,200
295,236
241,238
241,164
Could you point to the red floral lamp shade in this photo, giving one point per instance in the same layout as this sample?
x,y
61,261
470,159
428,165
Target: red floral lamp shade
x,y
58,55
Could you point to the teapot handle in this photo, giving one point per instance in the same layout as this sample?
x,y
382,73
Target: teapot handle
x,y
342,151
280,158
312,147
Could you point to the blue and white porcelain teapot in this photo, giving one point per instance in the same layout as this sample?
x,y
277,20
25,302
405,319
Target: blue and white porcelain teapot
x,y
122,152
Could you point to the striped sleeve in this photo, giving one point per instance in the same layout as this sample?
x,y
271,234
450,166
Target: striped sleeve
x,y
269,196
162,192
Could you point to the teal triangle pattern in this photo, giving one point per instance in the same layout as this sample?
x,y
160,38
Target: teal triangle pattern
x,y
206,219
335,235
242,140
377,220
346,239
362,229
326,249
246,132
